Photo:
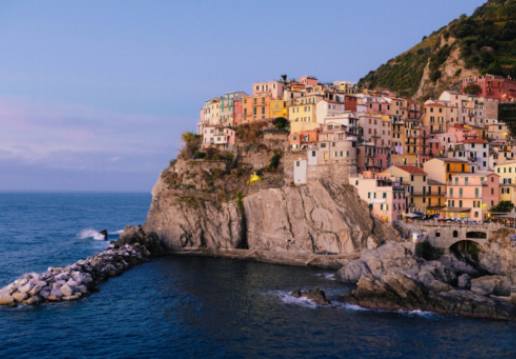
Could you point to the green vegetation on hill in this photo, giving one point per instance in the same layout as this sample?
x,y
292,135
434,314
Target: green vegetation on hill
x,y
486,39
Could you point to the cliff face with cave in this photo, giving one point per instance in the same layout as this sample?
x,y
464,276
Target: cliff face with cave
x,y
207,206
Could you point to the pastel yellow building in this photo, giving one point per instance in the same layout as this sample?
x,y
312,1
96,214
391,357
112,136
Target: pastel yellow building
x,y
416,180
507,173
302,114
278,108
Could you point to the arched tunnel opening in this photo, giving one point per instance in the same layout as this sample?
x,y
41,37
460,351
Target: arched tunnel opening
x,y
468,252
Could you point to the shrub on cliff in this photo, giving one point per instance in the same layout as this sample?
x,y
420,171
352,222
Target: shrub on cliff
x,y
472,89
249,133
281,123
192,144
275,162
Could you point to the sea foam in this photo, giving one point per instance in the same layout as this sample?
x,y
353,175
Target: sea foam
x,y
90,233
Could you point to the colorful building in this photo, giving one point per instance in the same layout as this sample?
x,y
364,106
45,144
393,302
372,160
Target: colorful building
x,y
384,197
436,198
300,140
441,169
278,108
416,180
507,174
302,114
495,87
273,89
471,195
218,136
438,115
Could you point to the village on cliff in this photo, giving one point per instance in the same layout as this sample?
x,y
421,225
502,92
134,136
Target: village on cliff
x,y
450,158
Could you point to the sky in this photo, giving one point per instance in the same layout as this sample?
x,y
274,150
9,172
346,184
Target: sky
x,y
94,95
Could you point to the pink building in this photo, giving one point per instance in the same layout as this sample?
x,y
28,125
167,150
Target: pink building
x,y
471,195
309,81
496,87
220,137
385,197
372,158
274,89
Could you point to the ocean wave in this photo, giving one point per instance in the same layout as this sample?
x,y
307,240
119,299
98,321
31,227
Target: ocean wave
x,y
418,313
90,233
327,275
352,307
409,313
287,298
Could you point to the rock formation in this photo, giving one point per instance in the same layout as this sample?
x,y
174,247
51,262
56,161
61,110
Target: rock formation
x,y
319,223
392,277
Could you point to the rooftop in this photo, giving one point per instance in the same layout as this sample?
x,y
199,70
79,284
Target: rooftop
x,y
412,170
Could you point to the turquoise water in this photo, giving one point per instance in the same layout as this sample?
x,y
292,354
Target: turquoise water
x,y
178,307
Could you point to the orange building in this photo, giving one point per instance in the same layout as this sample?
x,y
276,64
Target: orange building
x,y
256,108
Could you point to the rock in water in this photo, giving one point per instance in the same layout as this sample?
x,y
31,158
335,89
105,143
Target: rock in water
x,y
5,297
316,296
392,278
104,233
74,281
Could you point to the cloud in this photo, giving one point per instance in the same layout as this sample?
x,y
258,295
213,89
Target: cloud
x,y
79,137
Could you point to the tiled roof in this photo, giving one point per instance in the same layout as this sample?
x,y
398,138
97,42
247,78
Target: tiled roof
x,y
474,140
412,170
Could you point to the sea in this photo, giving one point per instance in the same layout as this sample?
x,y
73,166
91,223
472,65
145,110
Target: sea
x,y
195,307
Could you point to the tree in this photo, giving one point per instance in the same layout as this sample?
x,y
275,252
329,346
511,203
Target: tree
x,y
281,123
192,144
284,78
503,206
472,89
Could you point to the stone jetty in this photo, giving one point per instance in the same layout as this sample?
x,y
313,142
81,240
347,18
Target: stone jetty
x,y
82,277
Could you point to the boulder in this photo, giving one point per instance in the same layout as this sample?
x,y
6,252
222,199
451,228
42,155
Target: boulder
x,y
492,285
20,296
316,296
26,288
55,294
66,290
5,297
464,281
352,271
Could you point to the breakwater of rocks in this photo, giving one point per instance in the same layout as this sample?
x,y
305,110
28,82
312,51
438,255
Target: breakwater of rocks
x,y
74,281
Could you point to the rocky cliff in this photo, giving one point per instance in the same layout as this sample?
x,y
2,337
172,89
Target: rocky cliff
x,y
319,224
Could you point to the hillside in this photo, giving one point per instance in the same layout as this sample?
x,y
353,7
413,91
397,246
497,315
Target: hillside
x,y
484,42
